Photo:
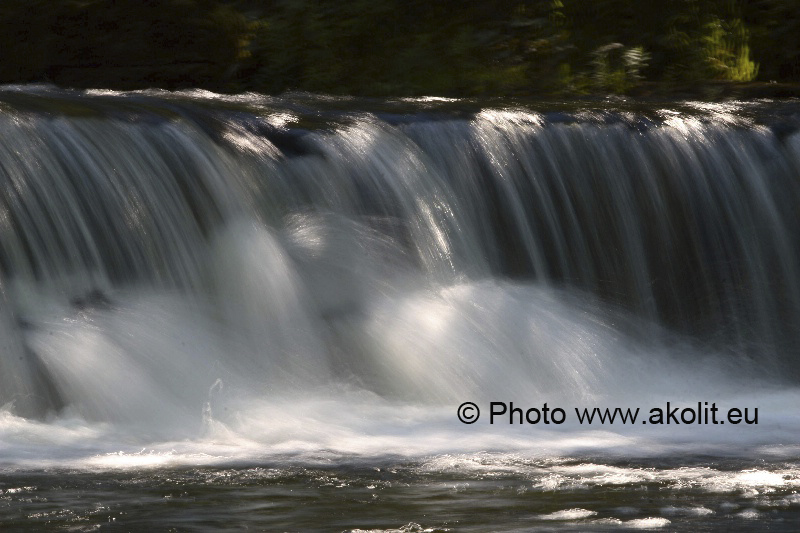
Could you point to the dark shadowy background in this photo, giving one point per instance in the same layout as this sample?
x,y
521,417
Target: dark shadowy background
x,y
407,47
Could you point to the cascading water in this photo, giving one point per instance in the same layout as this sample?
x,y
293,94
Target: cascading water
x,y
193,279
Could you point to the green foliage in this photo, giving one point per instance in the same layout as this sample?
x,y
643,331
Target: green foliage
x,y
727,53
378,47
617,69
717,49
392,47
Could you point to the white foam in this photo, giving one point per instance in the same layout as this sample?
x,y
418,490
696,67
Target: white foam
x,y
253,370
568,514
686,511
647,523
411,527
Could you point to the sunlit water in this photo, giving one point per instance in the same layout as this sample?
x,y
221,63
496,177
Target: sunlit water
x,y
242,311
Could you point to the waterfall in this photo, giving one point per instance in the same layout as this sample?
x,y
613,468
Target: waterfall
x,y
155,244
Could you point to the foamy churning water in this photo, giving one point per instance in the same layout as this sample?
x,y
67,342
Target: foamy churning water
x,y
283,279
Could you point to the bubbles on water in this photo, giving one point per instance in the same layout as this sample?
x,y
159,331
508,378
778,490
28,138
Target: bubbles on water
x,y
568,514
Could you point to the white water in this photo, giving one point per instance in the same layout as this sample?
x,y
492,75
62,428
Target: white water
x,y
163,379
343,304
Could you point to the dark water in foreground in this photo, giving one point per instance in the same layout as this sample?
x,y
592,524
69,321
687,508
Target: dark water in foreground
x,y
449,493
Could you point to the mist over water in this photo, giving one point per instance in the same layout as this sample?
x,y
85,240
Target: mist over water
x,y
195,280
